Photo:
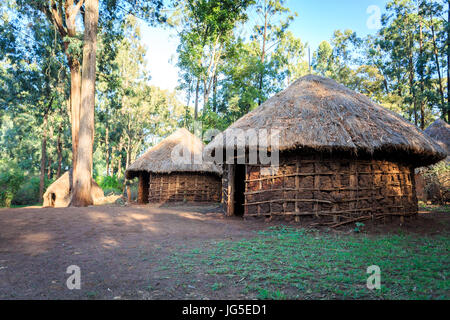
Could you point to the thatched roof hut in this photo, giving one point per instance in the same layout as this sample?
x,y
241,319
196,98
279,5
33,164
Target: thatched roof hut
x,y
440,132
434,185
340,155
174,170
59,193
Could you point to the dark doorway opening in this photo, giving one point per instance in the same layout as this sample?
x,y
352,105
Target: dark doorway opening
x,y
52,199
144,184
239,190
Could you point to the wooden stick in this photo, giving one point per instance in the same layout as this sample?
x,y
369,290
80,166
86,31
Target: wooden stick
x,y
321,174
283,200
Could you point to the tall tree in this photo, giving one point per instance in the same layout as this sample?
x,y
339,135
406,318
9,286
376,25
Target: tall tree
x,y
275,19
83,175
205,29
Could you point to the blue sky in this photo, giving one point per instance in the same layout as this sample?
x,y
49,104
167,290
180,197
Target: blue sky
x,y
316,21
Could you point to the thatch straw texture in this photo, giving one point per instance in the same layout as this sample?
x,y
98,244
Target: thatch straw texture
x,y
319,114
440,132
58,194
159,159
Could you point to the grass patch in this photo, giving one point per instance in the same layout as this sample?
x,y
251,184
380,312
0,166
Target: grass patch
x,y
25,205
287,263
434,207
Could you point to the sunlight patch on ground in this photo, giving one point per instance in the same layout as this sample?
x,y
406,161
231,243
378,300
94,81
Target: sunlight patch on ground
x,y
36,243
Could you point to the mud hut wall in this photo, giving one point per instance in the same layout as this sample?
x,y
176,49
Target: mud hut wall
x,y
143,187
225,186
330,187
184,187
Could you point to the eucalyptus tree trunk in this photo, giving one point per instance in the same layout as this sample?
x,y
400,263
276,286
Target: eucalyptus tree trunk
x,y
43,156
438,68
421,68
108,156
448,62
412,91
44,147
263,54
64,21
75,101
197,89
83,175
59,152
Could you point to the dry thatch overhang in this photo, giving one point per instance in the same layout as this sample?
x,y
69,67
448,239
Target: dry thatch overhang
x,y
158,159
440,132
318,114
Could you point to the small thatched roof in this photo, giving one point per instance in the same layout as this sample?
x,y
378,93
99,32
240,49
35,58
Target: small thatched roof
x,y
319,114
159,159
440,132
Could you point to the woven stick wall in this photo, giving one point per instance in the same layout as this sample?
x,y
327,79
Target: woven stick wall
x,y
225,187
184,187
340,189
143,187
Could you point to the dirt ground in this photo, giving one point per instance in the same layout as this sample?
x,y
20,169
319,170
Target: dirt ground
x,y
123,252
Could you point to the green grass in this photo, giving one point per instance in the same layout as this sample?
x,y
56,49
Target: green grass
x,y
287,263
434,208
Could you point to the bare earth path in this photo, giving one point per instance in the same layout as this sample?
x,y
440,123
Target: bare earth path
x,y
127,252
121,251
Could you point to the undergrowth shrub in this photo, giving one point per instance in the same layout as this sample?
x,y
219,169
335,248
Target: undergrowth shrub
x,y
437,182
110,184
28,192
11,178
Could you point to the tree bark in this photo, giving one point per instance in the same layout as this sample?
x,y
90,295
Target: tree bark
x,y
108,160
421,71
438,67
128,158
75,103
263,55
59,151
54,12
196,99
215,93
83,174
411,78
44,146
49,168
43,156
448,62
119,166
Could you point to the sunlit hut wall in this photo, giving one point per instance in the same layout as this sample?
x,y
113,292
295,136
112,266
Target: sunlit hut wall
x,y
164,176
342,157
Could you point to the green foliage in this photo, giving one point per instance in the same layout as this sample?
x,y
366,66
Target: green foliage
x,y
264,294
11,178
358,227
110,184
437,178
28,192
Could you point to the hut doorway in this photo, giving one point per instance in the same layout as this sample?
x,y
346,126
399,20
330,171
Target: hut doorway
x,y
239,190
143,189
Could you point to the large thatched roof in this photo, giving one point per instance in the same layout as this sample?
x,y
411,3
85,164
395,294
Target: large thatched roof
x,y
440,132
159,159
317,113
